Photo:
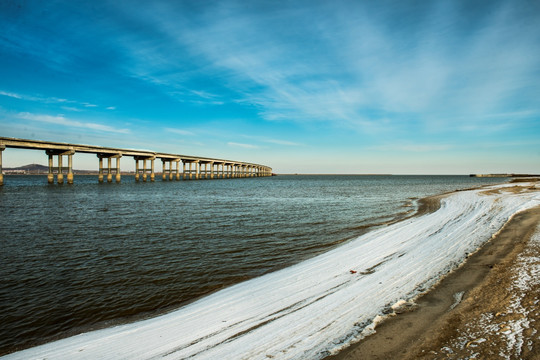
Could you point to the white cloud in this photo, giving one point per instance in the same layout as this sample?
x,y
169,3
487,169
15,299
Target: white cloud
x,y
53,100
180,131
246,146
10,94
349,65
282,142
63,121
71,108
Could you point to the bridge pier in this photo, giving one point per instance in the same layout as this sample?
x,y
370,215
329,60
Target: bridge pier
x,y
110,169
109,175
2,148
203,170
167,173
60,169
197,170
164,169
70,169
144,170
177,162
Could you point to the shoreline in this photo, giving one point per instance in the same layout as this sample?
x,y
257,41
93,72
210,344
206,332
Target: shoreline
x,y
444,312
350,267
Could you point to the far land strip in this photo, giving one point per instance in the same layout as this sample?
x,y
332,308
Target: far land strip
x,y
472,312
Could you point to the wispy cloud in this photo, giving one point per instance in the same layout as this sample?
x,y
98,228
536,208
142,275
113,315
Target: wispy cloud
x,y
413,148
282,142
358,70
53,100
180,131
63,121
245,146
9,94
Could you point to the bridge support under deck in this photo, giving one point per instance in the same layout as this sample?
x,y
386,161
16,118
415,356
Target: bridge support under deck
x,y
144,169
2,148
109,169
59,169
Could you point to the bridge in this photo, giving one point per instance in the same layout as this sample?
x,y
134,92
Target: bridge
x,y
193,167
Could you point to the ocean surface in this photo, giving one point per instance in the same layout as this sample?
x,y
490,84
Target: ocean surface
x,y
88,256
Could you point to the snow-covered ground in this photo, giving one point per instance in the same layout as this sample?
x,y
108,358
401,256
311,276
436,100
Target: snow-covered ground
x,y
314,308
507,327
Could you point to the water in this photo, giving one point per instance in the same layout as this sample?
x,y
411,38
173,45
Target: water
x,y
91,255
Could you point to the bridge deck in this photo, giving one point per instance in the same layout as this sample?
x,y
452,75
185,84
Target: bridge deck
x,y
234,168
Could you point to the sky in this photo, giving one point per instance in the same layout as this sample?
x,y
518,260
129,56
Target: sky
x,y
341,86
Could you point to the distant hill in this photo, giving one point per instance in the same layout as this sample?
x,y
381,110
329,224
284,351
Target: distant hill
x,y
37,169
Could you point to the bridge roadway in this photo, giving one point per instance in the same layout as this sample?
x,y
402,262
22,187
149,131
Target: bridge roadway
x,y
194,167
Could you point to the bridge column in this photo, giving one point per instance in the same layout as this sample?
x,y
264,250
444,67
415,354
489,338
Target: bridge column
x,y
50,175
109,174
152,174
197,170
2,148
144,170
211,170
118,175
100,176
177,163
136,169
163,169
60,175
70,168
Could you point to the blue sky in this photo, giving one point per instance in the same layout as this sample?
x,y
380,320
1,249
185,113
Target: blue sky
x,y
401,87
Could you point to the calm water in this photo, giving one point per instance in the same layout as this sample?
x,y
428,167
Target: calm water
x,y
91,255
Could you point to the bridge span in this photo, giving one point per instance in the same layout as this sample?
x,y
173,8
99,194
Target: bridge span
x,y
193,167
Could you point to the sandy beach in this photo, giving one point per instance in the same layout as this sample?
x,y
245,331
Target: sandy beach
x,y
485,309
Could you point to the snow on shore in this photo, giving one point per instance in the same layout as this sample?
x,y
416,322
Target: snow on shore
x,y
314,308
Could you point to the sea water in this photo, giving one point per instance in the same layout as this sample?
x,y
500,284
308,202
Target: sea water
x,y
86,256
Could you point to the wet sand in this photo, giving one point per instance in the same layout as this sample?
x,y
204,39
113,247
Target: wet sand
x,y
469,314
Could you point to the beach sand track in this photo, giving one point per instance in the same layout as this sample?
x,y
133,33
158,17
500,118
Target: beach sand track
x,y
438,326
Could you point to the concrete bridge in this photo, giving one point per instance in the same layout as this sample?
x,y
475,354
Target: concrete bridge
x,y
193,167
